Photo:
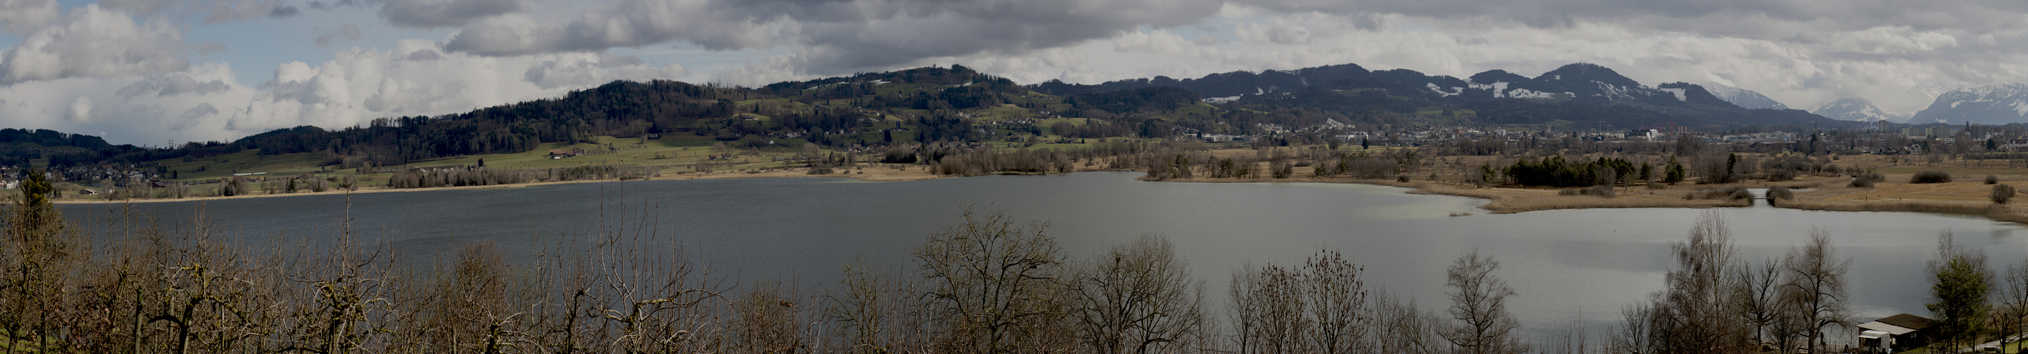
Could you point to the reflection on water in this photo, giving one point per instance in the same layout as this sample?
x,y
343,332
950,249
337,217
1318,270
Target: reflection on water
x,y
1566,264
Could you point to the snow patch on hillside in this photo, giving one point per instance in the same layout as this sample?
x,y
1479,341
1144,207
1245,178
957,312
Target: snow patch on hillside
x,y
1680,96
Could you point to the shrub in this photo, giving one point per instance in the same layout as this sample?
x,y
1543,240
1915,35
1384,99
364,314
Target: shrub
x,y
1930,177
1401,178
1657,185
1779,193
2002,193
1862,182
1727,193
1991,179
1597,191
1781,175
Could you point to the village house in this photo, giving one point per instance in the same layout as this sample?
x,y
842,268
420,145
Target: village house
x,y
1894,334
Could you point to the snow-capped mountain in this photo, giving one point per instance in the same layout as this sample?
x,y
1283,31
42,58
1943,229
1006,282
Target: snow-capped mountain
x,y
1854,109
1996,104
1581,82
1223,87
1581,92
1743,98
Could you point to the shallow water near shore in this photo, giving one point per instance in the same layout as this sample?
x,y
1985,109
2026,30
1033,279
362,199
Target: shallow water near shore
x,y
1567,265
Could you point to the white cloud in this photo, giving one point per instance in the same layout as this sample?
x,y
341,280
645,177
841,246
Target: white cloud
x,y
95,42
81,110
143,115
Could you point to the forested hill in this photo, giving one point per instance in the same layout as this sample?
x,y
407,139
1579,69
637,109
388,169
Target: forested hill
x,y
958,104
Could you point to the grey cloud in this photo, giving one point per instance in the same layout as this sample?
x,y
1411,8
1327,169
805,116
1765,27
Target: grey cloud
x,y
140,6
570,70
1760,19
23,16
445,13
627,23
424,55
224,11
329,5
172,85
348,32
833,35
193,116
214,11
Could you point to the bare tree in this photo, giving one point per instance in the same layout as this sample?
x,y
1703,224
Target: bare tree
x,y
1337,297
1268,310
1815,284
1482,324
1400,327
769,319
1636,334
1243,310
1759,300
2013,309
1138,298
995,284
865,308
1694,313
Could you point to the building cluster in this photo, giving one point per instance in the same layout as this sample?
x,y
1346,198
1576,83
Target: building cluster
x,y
1869,140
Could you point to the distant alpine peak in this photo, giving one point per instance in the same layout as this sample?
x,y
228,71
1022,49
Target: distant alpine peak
x,y
1990,104
1743,98
1854,109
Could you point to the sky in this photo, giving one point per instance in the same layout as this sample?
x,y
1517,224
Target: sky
x,y
165,72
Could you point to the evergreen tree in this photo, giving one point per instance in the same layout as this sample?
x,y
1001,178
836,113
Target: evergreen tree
x,y
1674,172
1959,285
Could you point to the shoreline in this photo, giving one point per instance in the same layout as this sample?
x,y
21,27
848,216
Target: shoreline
x,y
1509,200
1499,200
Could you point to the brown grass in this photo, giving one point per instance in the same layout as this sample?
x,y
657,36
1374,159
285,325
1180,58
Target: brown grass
x,y
1516,200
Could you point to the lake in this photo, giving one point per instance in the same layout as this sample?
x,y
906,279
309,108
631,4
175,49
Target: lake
x,y
1567,265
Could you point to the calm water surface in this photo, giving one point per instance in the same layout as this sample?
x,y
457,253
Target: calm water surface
x,y
1567,265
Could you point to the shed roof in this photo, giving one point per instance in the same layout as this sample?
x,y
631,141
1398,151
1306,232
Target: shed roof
x,y
1876,326
1906,321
